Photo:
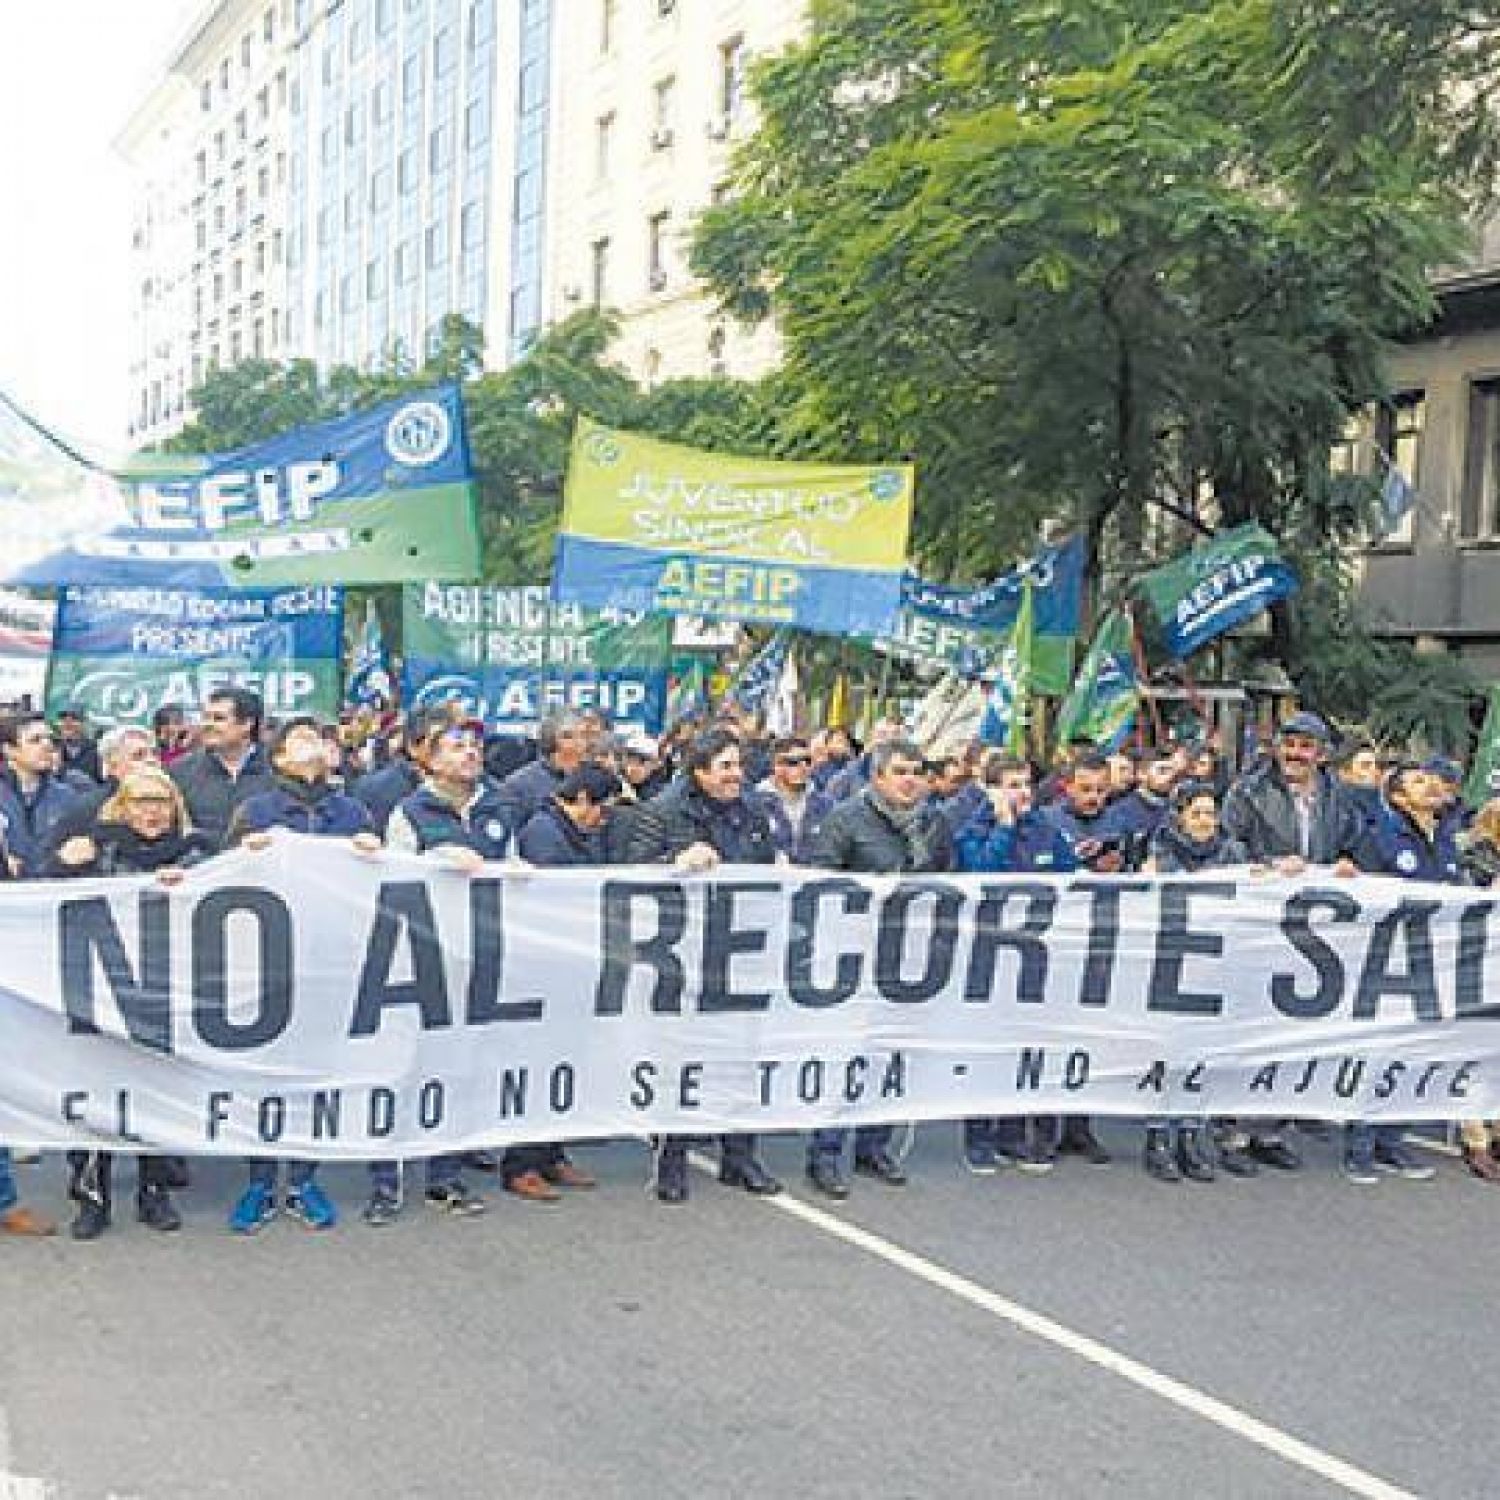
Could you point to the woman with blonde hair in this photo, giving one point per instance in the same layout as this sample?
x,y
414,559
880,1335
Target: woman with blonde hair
x,y
142,829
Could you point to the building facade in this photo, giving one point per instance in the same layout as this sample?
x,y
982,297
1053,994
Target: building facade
x,y
649,100
327,179
1436,579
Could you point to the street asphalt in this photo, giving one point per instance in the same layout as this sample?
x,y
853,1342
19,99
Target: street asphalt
x,y
609,1346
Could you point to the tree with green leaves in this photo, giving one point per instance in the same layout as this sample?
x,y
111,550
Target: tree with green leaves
x,y
1089,259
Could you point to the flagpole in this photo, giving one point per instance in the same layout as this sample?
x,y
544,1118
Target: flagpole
x,y
1138,651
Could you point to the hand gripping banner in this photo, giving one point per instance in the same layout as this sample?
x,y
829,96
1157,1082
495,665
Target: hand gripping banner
x,y
308,1001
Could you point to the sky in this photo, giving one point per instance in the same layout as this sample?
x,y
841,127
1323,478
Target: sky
x,y
71,73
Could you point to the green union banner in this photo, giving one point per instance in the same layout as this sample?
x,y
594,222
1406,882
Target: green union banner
x,y
119,654
511,654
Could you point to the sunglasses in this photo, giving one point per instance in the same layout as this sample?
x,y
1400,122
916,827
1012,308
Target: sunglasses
x,y
795,760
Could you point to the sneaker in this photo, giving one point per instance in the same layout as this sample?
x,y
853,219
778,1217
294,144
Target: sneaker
x,y
91,1221
255,1209
1271,1152
1400,1160
1158,1159
155,1209
1035,1160
1078,1139
1361,1171
982,1159
382,1208
312,1206
827,1176
1237,1161
454,1198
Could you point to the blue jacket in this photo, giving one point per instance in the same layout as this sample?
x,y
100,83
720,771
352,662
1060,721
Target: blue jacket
x,y
552,838
1139,815
528,790
383,791
482,826
1393,845
1106,828
795,844
1034,842
967,803
26,821
321,810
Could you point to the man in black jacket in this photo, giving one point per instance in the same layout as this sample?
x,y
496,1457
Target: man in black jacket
x,y
700,821
231,765
885,828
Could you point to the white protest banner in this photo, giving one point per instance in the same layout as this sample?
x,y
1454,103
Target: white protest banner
x,y
309,1001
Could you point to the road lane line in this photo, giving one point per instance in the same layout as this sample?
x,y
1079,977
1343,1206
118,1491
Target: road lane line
x,y
1293,1450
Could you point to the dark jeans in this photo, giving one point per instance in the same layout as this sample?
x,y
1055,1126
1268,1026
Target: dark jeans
x,y
869,1140
91,1176
442,1172
298,1173
538,1157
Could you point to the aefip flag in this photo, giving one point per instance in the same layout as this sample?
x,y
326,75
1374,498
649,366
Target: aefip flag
x,y
1215,587
373,497
1009,705
653,526
1102,703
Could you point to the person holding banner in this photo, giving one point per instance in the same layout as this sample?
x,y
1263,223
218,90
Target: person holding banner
x,y
886,828
566,833
704,819
142,828
121,750
303,799
1009,834
1409,840
793,804
1190,841
1289,812
1479,850
230,766
457,816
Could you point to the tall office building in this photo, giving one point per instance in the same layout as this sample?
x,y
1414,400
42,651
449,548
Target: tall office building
x,y
209,148
328,178
648,101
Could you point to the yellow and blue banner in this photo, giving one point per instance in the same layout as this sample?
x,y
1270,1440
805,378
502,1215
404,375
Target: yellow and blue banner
x,y
650,526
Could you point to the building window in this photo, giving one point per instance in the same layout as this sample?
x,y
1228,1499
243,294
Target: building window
x,y
375,281
206,97
406,262
731,78
604,139
471,227
718,368
406,171
442,52
599,272
481,23
242,127
1481,492
385,15
380,190
201,161
245,45
606,26
268,26
656,250
439,149
356,39
380,103
1398,433
411,77
263,105
476,125
664,100
437,246
354,124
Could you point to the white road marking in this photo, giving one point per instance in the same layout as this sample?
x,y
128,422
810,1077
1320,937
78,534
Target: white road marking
x,y
13,1486
1293,1450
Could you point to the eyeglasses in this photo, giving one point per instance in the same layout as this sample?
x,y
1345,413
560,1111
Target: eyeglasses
x,y
795,760
458,739
149,801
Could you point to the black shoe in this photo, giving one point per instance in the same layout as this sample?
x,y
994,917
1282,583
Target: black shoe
x,y
1081,1141
827,1178
155,1209
1237,1161
1158,1159
1274,1154
882,1166
92,1221
1192,1157
750,1175
175,1172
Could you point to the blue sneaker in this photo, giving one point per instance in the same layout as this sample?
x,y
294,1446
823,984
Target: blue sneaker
x,y
312,1206
255,1209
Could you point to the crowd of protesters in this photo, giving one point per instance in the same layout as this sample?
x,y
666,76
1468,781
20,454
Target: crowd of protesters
x,y
157,800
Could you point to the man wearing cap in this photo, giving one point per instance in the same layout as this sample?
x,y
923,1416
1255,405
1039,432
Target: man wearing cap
x,y
1291,813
